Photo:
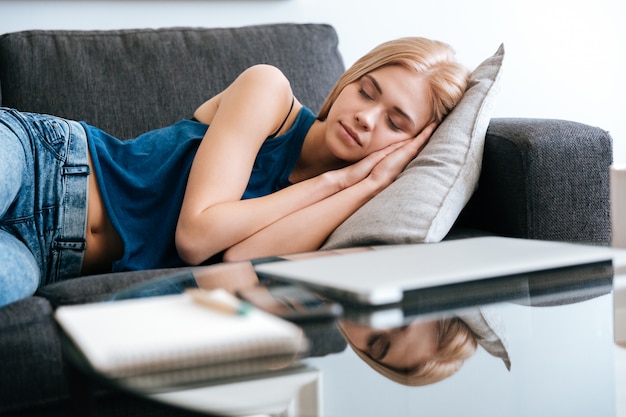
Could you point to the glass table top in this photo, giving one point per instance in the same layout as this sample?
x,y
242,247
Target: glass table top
x,y
545,345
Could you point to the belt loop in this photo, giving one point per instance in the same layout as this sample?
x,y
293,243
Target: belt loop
x,y
81,170
70,244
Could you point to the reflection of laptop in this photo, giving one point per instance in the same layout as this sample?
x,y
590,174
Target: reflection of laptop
x,y
382,276
565,285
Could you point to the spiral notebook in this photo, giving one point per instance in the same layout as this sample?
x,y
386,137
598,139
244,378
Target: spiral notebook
x,y
170,333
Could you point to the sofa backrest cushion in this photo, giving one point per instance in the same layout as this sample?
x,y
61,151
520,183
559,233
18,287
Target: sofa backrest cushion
x,y
131,81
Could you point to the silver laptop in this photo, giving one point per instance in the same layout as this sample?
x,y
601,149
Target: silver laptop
x,y
382,276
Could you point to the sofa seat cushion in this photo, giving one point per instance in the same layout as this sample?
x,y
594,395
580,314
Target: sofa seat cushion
x,y
95,288
32,368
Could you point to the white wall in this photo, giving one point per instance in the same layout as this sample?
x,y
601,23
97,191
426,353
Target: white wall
x,y
565,59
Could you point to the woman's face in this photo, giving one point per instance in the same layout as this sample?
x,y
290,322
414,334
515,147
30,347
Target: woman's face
x,y
387,105
402,348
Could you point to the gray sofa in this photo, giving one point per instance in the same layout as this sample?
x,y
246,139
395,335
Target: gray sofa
x,y
541,179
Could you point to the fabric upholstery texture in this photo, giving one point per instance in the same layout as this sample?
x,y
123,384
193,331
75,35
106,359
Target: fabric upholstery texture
x,y
96,288
31,355
94,75
426,199
543,179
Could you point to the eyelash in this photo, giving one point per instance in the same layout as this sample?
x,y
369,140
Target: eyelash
x,y
390,122
364,94
392,125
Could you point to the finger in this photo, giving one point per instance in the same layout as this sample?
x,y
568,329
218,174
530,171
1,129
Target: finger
x,y
395,146
428,130
387,150
424,136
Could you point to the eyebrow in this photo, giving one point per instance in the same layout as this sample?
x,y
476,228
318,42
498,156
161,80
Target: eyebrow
x,y
395,108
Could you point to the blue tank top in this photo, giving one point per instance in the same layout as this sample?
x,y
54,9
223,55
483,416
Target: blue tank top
x,y
143,180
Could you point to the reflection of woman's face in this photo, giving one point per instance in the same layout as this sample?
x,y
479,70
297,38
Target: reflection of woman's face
x,y
402,348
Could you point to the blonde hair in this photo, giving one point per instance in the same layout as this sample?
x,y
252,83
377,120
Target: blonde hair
x,y
434,60
455,344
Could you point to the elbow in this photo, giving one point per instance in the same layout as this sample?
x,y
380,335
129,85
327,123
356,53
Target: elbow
x,y
189,250
235,254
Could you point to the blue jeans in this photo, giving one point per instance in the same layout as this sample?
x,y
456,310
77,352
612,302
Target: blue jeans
x,y
43,201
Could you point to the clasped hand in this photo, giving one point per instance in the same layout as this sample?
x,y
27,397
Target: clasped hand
x,y
383,166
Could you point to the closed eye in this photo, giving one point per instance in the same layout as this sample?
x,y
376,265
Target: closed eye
x,y
392,125
368,78
364,94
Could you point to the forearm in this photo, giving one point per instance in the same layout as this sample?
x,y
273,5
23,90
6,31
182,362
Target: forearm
x,y
224,225
297,218
306,229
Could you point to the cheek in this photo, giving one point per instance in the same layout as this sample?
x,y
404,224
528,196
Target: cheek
x,y
341,105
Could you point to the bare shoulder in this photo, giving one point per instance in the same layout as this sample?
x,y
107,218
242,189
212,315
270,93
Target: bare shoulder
x,y
260,83
265,73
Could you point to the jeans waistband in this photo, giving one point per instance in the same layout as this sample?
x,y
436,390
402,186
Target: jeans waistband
x,y
71,243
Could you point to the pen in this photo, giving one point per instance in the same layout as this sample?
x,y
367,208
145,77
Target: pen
x,y
219,300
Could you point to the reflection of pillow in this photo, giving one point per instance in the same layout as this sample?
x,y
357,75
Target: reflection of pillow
x,y
425,200
488,327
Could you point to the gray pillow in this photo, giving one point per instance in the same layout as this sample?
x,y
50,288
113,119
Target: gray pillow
x,y
487,325
426,199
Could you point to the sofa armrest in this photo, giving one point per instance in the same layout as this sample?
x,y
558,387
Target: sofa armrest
x,y
543,179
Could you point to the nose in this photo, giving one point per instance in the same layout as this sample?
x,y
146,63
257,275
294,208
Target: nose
x,y
365,118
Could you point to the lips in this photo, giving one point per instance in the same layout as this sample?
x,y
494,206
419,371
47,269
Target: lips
x,y
351,134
